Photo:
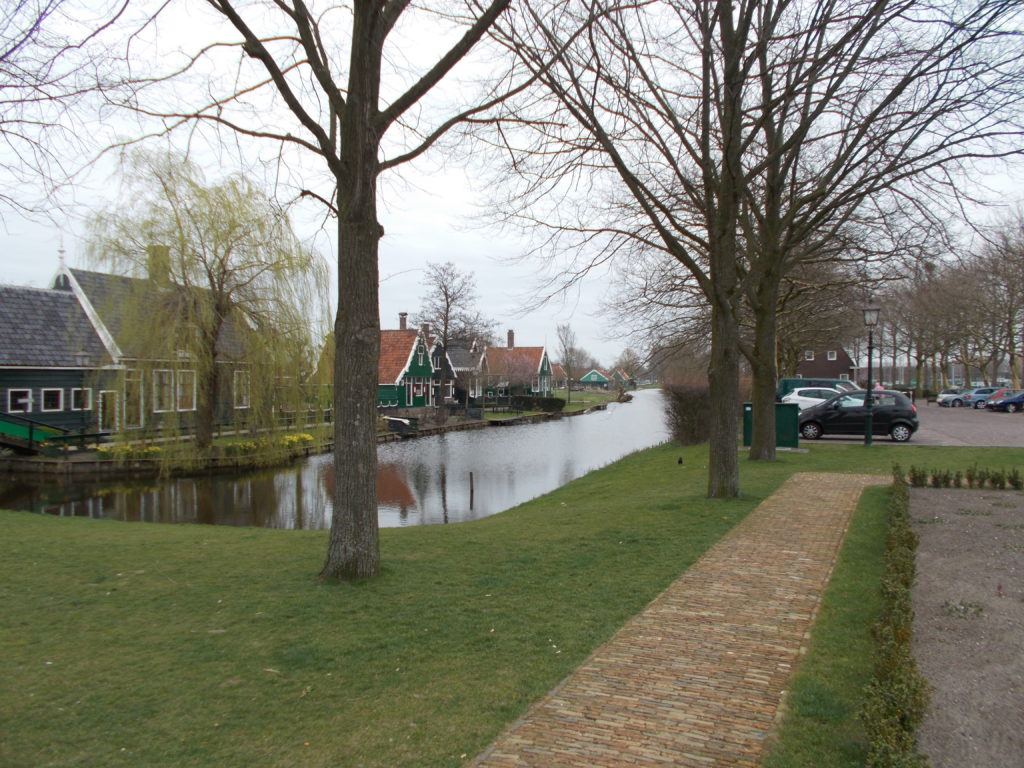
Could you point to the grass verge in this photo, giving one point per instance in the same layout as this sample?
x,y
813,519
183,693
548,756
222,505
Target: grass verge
x,y
159,645
821,728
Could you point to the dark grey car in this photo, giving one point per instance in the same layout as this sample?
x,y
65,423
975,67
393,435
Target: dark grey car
x,y
892,414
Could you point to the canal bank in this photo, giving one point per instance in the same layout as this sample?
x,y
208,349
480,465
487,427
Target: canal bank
x,y
90,463
445,475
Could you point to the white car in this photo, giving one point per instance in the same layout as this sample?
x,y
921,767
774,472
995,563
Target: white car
x,y
805,397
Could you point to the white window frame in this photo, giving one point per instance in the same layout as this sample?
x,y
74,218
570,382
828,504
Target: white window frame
x,y
832,354
10,400
42,400
158,401
238,376
185,374
88,399
809,355
136,377
844,376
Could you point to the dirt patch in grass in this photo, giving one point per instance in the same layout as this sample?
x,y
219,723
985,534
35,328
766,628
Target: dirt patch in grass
x,y
969,624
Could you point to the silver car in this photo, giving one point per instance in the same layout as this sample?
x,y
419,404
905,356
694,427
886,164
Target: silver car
x,y
805,397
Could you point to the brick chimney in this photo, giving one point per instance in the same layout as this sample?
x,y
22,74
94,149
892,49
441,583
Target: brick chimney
x,y
511,339
402,318
158,263
425,328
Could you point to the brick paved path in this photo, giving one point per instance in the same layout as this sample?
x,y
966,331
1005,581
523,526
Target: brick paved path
x,y
697,678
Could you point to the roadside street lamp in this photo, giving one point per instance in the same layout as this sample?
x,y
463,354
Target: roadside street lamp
x,y
870,321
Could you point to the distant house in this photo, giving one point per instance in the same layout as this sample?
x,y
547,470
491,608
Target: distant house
x,y
828,363
559,379
622,380
148,388
404,371
51,359
466,363
512,370
71,357
595,379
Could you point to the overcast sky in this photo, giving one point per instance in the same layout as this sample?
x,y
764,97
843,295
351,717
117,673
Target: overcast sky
x,y
426,213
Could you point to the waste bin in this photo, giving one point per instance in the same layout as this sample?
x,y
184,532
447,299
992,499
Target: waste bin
x,y
787,425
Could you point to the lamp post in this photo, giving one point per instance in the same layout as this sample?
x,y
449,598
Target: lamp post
x,y
870,321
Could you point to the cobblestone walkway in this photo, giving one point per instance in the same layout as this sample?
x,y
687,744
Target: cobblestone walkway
x,y
697,678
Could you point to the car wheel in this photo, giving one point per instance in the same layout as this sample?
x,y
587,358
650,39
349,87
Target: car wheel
x,y
900,433
811,430
1011,408
956,403
979,404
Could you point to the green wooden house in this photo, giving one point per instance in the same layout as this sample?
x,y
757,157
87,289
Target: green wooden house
x,y
404,372
595,379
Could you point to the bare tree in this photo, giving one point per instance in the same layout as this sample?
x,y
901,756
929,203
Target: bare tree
x,y
449,309
742,139
571,356
330,81
51,60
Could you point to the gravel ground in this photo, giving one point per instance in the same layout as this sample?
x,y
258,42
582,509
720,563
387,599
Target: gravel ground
x,y
969,625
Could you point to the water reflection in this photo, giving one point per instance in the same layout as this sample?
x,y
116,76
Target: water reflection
x,y
450,478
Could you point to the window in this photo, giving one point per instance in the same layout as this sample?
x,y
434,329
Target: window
x,y
832,355
163,391
81,399
52,399
186,390
19,400
844,376
240,389
133,403
808,354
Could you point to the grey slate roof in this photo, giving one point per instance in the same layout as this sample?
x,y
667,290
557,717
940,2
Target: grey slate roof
x,y
463,359
45,328
110,295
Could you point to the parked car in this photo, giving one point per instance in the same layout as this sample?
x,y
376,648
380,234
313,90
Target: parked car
x,y
805,397
1011,403
999,394
976,397
788,385
951,398
892,414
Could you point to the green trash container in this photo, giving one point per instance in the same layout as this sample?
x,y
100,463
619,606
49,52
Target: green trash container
x,y
787,425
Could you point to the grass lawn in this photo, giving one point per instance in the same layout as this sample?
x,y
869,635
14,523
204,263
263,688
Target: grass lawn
x,y
159,645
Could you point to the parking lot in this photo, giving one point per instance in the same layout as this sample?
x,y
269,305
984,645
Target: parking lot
x,y
954,426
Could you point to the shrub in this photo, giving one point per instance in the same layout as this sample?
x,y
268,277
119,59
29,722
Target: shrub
x,y
531,403
689,413
897,696
129,451
1015,480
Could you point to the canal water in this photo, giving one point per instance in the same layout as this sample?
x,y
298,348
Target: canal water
x,y
441,479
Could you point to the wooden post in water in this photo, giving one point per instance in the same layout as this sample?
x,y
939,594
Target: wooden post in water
x,y
471,490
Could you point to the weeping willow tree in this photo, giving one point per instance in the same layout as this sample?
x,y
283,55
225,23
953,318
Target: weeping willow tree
x,y
215,301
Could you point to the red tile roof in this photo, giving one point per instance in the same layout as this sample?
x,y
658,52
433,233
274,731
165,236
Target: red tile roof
x,y
518,362
396,347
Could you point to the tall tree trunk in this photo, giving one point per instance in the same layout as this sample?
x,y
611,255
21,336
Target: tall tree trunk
x,y
724,365
764,366
723,379
353,549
